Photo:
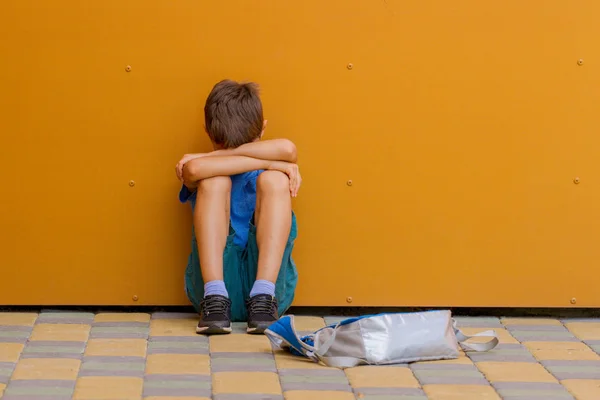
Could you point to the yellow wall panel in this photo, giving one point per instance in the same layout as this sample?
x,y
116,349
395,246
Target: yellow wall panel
x,y
462,126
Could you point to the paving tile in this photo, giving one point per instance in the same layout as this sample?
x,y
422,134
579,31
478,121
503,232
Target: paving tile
x,y
240,343
530,321
53,349
455,374
173,327
10,352
594,345
178,345
174,315
246,382
14,333
307,379
561,351
461,360
122,317
120,330
246,396
285,360
320,395
18,319
583,389
478,322
46,368
6,370
514,372
2,387
585,330
389,393
178,364
573,369
460,392
260,362
108,388
116,347
308,324
177,385
504,336
175,398
532,391
381,376
65,317
113,366
504,353
60,332
39,388
541,333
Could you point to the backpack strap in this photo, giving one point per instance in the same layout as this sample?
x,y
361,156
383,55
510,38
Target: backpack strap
x,y
478,347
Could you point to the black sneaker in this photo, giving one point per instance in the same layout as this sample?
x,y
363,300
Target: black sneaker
x,y
215,315
262,312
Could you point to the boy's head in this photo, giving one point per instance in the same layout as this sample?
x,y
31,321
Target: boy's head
x,y
233,114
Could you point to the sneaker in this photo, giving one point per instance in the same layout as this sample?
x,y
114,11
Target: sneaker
x,y
215,315
262,312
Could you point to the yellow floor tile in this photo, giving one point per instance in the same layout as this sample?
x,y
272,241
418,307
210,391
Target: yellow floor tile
x,y
173,327
317,395
10,352
503,335
240,343
46,368
375,376
2,387
515,372
462,359
285,360
122,317
197,364
308,323
116,347
530,321
585,330
246,382
460,392
108,388
583,389
561,351
10,318
61,332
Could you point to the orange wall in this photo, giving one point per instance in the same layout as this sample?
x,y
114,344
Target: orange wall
x,y
461,125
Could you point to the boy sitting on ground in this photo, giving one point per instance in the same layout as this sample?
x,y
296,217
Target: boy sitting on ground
x,y
241,266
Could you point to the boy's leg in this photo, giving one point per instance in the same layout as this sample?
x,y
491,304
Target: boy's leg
x,y
211,224
273,219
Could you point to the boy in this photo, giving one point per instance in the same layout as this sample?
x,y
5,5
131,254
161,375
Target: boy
x,y
241,266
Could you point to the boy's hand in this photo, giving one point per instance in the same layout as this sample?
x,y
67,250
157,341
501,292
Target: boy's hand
x,y
292,171
186,158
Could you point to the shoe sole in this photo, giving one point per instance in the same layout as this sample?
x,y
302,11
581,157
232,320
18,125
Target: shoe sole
x,y
213,330
258,330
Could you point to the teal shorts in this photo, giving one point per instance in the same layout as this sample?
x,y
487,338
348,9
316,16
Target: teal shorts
x,y
239,273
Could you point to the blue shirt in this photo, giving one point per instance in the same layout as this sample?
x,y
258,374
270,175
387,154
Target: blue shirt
x,y
243,203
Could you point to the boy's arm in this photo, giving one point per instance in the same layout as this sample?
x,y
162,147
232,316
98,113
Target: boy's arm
x,y
273,150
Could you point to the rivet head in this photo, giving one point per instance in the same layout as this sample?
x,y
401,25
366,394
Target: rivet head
x,y
348,299
580,61
573,300
349,183
128,68
350,66
132,183
576,180
135,297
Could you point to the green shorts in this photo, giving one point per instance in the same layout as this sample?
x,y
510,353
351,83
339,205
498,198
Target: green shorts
x,y
239,273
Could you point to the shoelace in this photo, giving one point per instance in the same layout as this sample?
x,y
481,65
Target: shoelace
x,y
262,306
214,306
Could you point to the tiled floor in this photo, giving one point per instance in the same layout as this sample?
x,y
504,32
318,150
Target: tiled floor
x,y
63,355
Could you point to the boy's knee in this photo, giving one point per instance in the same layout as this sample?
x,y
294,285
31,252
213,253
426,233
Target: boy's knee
x,y
273,181
215,184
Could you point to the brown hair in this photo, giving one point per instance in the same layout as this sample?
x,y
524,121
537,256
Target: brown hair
x,y
233,114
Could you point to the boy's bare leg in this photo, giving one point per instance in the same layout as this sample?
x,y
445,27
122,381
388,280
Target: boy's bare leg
x,y
273,219
211,224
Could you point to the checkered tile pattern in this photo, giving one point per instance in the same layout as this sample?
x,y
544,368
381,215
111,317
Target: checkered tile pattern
x,y
73,355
